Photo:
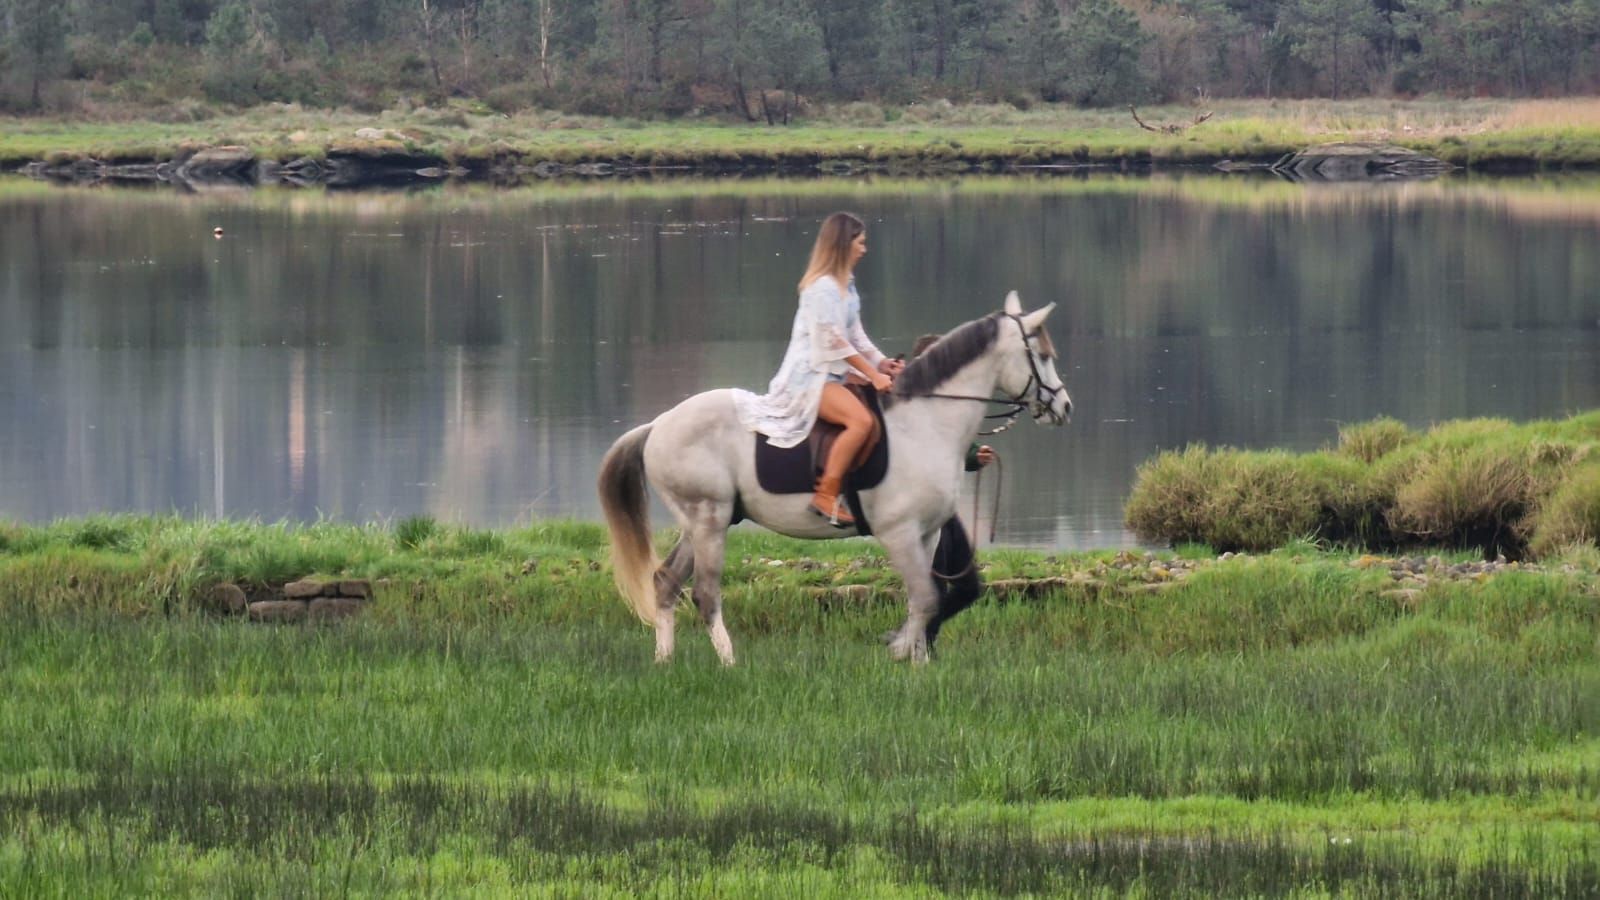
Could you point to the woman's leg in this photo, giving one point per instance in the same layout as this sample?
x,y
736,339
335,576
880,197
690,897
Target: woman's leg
x,y
840,407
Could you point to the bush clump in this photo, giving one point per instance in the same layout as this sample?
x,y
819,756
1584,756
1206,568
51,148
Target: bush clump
x,y
1570,516
1368,441
1470,496
1484,484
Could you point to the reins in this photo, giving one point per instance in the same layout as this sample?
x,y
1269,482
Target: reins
x,y
1042,399
1017,407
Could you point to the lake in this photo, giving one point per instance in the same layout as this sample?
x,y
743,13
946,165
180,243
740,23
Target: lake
x,y
469,353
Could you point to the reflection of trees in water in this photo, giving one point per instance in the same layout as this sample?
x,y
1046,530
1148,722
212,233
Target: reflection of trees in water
x,y
473,356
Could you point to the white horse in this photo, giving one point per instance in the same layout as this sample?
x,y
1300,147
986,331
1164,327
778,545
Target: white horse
x,y
701,461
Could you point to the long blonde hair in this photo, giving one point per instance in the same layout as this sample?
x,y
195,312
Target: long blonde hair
x,y
830,255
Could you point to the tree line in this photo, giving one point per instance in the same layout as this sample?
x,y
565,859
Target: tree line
x,y
759,58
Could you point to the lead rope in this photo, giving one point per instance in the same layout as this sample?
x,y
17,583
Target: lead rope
x,y
994,510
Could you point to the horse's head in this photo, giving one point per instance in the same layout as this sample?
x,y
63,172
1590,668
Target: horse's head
x,y
1028,363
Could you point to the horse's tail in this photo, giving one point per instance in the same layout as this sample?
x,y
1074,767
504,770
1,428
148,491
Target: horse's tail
x,y
627,508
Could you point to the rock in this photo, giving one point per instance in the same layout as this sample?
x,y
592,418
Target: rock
x,y
219,164
356,587
304,589
228,599
1357,161
856,593
324,609
1231,165
1407,596
379,164
277,611
1009,587
1042,587
135,172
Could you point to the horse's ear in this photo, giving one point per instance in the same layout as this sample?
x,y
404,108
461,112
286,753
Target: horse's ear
x,y
1013,304
1036,318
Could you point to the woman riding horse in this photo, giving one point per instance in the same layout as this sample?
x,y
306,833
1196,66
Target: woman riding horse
x,y
826,345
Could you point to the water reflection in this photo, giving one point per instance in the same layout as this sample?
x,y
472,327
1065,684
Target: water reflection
x,y
471,353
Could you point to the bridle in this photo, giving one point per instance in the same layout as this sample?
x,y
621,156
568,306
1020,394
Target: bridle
x,y
1042,401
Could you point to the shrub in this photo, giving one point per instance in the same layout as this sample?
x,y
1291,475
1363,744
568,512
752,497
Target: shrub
x,y
1260,500
1467,497
1570,516
1480,483
414,530
1230,500
511,98
858,113
1368,441
1170,496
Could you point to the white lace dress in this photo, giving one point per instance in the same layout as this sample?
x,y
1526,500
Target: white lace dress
x,y
827,330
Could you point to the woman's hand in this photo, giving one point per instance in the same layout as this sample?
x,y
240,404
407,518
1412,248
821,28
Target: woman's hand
x,y
882,383
985,455
892,367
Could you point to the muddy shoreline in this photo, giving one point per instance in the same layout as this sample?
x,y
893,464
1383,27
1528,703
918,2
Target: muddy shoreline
x,y
363,168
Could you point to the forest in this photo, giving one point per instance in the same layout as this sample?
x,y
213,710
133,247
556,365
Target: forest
x,y
769,60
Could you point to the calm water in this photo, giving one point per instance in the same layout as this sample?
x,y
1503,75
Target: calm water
x,y
471,353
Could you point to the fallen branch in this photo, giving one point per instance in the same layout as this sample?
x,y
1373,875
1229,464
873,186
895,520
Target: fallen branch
x,y
1168,129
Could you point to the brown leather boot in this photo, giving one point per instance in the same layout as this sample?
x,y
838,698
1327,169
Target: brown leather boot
x,y
829,504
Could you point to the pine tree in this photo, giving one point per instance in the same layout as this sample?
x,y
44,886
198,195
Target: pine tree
x,y
39,41
1330,33
1104,41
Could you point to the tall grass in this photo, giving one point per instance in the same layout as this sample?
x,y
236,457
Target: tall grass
x,y
192,750
494,724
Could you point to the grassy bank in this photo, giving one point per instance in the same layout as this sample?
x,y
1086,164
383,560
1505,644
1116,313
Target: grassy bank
x,y
1268,724
1479,134
1482,484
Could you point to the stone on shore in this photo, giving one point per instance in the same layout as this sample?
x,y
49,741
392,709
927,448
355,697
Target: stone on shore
x,y
1357,161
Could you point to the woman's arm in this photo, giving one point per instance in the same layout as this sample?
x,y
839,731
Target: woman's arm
x,y
857,334
874,376
831,333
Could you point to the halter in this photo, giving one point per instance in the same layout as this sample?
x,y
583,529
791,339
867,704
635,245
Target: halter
x,y
1043,394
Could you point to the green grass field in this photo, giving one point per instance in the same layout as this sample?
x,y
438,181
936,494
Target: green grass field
x,y
1482,134
1270,725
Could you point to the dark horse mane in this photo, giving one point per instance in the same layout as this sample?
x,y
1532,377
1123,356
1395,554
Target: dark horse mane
x,y
944,359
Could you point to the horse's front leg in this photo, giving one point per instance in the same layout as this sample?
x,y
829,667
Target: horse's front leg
x,y
907,547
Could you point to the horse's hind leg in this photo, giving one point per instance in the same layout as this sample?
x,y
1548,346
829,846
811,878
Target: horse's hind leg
x,y
669,583
709,535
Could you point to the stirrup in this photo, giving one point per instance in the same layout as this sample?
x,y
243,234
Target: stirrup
x,y
839,517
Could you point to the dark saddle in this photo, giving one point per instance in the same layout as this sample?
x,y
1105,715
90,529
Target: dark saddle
x,y
794,470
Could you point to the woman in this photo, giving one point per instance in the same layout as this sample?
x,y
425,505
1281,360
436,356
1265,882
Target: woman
x,y
826,345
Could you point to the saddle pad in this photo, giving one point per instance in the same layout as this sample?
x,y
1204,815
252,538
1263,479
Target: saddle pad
x,y
794,470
